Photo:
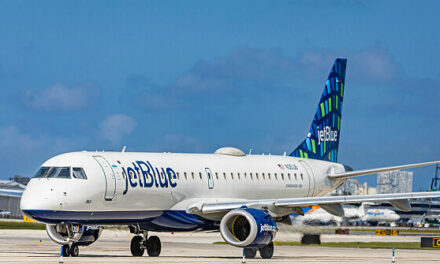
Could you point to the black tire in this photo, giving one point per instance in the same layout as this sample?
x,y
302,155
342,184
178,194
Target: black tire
x,y
136,246
153,246
266,252
66,251
309,239
250,253
74,250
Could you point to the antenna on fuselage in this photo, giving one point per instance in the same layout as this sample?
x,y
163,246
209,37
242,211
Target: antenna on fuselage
x,y
123,149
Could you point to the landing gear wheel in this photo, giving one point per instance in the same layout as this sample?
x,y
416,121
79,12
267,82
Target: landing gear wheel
x,y
267,251
153,246
250,253
136,246
66,251
74,250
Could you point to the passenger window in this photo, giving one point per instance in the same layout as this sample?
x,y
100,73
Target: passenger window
x,y
79,173
251,175
296,178
192,174
268,176
232,175
245,175
224,175
200,175
302,178
216,175
238,175
184,174
256,176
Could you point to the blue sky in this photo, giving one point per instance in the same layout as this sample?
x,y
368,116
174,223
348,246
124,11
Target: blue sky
x,y
192,76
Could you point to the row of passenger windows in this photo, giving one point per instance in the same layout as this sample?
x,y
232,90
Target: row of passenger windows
x,y
250,175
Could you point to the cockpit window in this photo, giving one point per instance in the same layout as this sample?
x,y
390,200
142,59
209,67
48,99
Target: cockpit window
x,y
79,173
42,172
53,172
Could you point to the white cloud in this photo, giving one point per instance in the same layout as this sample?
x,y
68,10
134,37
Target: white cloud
x,y
115,127
57,97
12,139
370,65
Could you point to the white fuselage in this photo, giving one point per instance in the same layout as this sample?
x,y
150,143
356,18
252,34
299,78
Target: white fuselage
x,y
124,181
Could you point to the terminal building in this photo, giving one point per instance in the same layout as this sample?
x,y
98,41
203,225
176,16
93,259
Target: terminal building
x,y
353,187
10,195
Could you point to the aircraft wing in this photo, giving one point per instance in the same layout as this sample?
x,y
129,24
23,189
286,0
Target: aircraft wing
x,y
332,204
349,174
398,200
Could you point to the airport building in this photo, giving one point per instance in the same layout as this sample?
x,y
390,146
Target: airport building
x,y
10,195
394,182
353,187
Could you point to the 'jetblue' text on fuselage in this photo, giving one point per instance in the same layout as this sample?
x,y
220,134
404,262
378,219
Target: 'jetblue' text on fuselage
x,y
143,175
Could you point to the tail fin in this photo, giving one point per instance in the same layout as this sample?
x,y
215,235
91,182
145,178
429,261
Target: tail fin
x,y
322,140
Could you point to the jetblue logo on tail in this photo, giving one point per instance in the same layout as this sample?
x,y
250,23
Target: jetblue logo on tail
x,y
322,141
327,134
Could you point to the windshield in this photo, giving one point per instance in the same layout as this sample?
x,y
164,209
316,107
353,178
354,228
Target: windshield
x,y
53,172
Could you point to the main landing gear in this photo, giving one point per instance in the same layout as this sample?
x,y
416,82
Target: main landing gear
x,y
71,250
266,252
141,242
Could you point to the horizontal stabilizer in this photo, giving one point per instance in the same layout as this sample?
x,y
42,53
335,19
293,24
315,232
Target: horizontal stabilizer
x,y
350,174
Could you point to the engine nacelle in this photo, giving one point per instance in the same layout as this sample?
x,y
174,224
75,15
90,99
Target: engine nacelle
x,y
78,234
248,227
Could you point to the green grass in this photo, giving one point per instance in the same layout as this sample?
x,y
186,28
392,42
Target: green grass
x,y
387,245
21,225
397,245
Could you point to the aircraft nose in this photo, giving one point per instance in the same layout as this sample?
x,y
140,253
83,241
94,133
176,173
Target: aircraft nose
x,y
36,196
31,199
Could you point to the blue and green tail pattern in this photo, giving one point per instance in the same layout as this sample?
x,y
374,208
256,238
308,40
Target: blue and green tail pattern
x,y
322,140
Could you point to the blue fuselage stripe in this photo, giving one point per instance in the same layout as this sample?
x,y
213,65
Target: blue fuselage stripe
x,y
150,220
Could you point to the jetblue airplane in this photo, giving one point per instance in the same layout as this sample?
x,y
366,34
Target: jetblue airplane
x,y
242,196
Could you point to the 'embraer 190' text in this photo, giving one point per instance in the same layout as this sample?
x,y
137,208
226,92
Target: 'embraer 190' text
x,y
327,134
144,175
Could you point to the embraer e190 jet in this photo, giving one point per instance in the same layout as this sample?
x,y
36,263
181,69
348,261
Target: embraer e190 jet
x,y
242,196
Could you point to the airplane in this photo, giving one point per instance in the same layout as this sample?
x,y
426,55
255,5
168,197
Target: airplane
x,y
417,221
381,216
352,215
242,196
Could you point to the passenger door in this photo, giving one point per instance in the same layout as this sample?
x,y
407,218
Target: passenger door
x,y
110,179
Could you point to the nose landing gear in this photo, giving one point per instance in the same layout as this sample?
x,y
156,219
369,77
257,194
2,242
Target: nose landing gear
x,y
141,242
71,250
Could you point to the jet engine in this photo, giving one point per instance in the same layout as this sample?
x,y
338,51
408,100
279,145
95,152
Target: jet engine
x,y
78,234
247,227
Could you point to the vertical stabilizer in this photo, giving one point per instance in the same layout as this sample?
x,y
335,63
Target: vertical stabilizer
x,y
322,141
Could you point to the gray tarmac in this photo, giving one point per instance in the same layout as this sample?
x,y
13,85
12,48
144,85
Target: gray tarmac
x,y
24,246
